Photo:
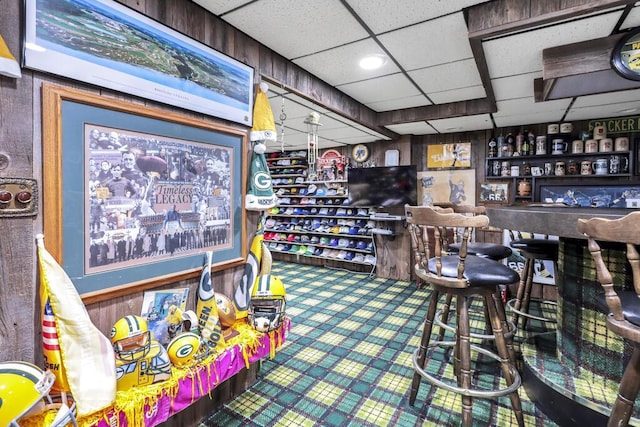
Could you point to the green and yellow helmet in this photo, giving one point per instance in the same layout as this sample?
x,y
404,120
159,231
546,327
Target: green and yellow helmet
x,y
131,338
268,303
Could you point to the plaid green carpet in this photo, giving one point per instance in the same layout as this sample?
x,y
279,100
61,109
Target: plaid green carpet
x,y
347,361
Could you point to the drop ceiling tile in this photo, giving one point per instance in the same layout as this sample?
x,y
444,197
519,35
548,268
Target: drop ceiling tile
x,y
218,7
383,88
522,53
340,65
524,111
454,95
453,75
383,15
633,19
400,103
357,140
462,124
425,44
340,132
296,28
606,98
416,128
604,111
513,87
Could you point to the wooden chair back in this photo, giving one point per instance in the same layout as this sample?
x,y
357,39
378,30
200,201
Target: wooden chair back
x,y
468,210
625,230
419,220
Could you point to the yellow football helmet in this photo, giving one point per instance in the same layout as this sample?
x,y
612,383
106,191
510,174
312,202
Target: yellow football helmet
x,y
183,349
24,392
226,310
268,303
151,368
130,338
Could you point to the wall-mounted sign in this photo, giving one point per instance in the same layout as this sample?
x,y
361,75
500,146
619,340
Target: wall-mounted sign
x,y
625,58
617,124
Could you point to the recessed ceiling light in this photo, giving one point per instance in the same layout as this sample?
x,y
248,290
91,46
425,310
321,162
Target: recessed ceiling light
x,y
373,62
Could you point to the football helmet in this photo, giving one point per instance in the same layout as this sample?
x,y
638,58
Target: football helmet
x,y
183,349
153,367
24,392
268,303
226,310
131,338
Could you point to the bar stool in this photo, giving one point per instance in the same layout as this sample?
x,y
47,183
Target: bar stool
x,y
492,251
463,277
533,250
624,310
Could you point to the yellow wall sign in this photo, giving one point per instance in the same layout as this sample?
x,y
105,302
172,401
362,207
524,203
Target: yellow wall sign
x,y
447,156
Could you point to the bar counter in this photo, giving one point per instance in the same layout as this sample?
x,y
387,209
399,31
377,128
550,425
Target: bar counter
x,y
557,220
585,361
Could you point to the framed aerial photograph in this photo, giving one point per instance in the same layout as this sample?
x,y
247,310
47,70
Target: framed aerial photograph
x,y
494,192
449,156
134,196
107,44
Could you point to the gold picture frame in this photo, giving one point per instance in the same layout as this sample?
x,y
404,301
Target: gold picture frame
x,y
68,193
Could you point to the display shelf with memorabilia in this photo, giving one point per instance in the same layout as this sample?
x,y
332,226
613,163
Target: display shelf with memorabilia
x,y
312,222
527,161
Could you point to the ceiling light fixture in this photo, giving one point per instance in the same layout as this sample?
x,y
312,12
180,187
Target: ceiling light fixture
x,y
373,62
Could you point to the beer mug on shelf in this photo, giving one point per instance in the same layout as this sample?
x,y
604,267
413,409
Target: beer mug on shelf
x,y
599,132
600,167
591,146
606,145
541,145
558,146
577,146
585,167
614,164
621,144
560,168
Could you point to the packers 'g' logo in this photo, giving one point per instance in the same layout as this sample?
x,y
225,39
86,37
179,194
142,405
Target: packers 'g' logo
x,y
262,180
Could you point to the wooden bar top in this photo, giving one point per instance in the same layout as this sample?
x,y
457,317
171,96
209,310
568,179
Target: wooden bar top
x,y
553,220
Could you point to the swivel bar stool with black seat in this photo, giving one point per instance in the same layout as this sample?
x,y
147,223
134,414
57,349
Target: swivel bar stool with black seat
x,y
492,251
624,306
464,277
534,250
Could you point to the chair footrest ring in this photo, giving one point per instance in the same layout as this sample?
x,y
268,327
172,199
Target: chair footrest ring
x,y
473,392
507,334
511,306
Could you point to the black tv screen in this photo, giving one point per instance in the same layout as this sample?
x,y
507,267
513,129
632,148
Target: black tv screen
x,y
382,186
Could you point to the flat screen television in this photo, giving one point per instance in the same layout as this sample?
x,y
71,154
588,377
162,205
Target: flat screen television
x,y
383,186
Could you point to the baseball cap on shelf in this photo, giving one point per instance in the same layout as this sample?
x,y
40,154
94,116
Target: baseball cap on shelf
x,y
312,189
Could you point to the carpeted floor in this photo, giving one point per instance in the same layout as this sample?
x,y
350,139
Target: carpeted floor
x,y
347,361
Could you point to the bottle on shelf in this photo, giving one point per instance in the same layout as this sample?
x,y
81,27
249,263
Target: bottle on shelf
x,y
511,144
493,147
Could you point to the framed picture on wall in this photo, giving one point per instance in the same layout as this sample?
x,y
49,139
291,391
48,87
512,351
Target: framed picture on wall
x,y
110,45
494,192
449,156
143,192
455,186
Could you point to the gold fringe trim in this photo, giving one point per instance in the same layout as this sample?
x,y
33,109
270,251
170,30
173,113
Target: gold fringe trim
x,y
132,402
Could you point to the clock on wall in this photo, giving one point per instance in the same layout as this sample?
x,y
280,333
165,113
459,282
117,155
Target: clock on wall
x,y
625,57
360,153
